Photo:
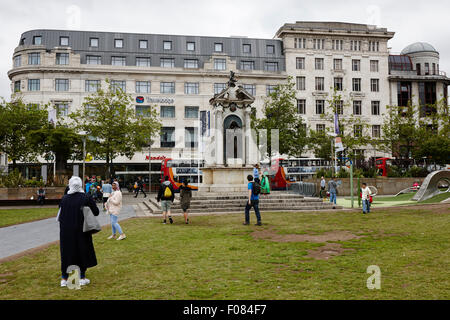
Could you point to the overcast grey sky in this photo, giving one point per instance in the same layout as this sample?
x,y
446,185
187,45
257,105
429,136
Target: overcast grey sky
x,y
413,20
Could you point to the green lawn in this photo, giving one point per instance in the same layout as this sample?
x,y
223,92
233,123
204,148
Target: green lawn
x,y
393,201
15,216
216,257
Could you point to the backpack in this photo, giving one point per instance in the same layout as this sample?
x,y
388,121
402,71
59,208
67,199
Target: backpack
x,y
256,188
167,193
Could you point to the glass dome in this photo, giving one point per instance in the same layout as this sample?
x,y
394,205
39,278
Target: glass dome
x,y
419,47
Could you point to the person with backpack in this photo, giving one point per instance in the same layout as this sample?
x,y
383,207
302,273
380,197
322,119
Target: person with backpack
x,y
185,199
254,189
332,189
166,195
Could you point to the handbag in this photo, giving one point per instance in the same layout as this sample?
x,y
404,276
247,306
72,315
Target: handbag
x,y
91,224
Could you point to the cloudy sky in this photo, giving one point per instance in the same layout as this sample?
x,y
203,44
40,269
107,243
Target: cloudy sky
x,y
412,20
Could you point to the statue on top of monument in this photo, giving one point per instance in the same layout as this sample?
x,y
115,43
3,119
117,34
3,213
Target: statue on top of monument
x,y
232,81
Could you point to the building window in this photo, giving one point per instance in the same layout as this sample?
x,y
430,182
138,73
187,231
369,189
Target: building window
x,y
301,106
355,45
62,109
191,88
320,83
247,48
320,127
320,106
301,83
93,59
375,85
143,62
92,85
34,58
247,65
356,65
271,66
338,84
119,84
357,130
93,42
64,41
143,44
250,88
218,47
143,86
319,63
167,45
357,106
167,62
62,58
190,140
270,89
62,84
220,64
373,65
167,87
340,107
17,61
300,43
356,84
219,87
337,45
167,137
37,40
319,44
270,49
118,61
403,93
142,111
376,131
434,68
300,63
167,112
191,63
190,46
374,46
118,43
337,64
17,86
34,84
427,69
191,112
375,106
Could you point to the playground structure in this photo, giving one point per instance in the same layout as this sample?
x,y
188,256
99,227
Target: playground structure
x,y
430,186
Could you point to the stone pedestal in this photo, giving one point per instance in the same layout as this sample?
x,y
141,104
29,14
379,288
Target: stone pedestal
x,y
225,179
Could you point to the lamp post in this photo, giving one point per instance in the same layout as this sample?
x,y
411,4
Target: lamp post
x,y
150,167
333,150
83,133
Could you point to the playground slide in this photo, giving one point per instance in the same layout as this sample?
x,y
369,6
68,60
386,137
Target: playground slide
x,y
429,187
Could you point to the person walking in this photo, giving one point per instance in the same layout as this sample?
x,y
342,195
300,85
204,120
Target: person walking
x,y
322,187
166,196
140,187
256,171
332,189
41,196
113,206
76,246
254,190
185,197
365,197
265,184
107,191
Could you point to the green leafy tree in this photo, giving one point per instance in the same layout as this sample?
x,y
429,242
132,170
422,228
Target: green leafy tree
x,y
18,121
280,112
108,117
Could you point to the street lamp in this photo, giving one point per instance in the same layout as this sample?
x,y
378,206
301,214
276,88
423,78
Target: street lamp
x,y
333,150
83,133
150,167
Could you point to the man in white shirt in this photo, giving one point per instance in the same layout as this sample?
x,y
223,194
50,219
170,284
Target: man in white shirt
x,y
322,186
365,196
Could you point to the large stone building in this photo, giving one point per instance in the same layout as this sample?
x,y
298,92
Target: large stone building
x,y
180,74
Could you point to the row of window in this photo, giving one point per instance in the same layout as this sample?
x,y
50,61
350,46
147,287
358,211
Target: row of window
x,y
338,84
336,44
337,64
141,86
357,107
143,44
219,64
357,130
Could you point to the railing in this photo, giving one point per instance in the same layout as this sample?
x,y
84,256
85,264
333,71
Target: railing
x,y
303,188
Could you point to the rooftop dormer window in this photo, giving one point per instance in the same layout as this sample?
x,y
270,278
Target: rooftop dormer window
x,y
118,43
64,41
37,40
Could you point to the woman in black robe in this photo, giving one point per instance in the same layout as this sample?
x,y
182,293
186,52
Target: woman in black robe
x,y
76,246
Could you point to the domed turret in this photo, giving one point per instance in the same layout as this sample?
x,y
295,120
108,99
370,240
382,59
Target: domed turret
x,y
419,47
424,57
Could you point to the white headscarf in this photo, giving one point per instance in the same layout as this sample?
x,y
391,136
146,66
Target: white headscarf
x,y
75,185
117,184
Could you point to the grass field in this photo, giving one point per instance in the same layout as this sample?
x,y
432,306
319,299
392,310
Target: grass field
x,y
392,201
15,216
216,257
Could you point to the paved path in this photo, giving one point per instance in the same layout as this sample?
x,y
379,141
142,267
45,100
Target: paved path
x,y
23,237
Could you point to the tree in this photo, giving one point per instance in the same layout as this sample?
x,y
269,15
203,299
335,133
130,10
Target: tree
x,y
117,130
280,112
17,122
